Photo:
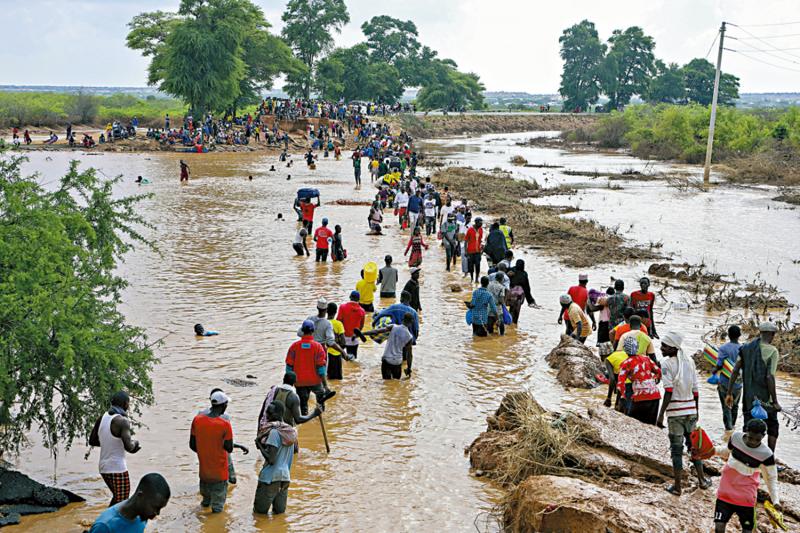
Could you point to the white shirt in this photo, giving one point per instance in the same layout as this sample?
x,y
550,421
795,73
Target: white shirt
x,y
446,210
678,373
430,208
112,450
401,199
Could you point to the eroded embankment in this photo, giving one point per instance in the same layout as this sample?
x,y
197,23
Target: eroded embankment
x,y
432,126
577,243
596,471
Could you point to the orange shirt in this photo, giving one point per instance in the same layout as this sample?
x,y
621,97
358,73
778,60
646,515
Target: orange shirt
x,y
210,432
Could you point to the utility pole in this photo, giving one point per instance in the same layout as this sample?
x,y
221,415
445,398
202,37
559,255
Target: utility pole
x,y
711,123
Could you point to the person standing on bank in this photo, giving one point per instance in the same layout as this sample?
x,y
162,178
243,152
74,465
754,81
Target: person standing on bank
x,y
112,433
211,438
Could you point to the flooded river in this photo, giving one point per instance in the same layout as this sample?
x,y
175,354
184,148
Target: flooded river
x,y
396,461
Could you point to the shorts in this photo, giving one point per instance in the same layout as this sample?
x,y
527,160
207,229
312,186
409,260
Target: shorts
x,y
369,308
120,485
723,511
388,295
773,425
334,366
273,495
389,371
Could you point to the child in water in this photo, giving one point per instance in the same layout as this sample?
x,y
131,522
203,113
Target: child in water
x,y
200,332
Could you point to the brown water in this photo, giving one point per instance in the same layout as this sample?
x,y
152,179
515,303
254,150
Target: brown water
x,y
396,460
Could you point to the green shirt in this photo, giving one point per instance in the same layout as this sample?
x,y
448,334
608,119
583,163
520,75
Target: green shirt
x,y
770,355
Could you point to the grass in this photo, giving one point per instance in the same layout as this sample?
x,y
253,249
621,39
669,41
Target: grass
x,y
50,109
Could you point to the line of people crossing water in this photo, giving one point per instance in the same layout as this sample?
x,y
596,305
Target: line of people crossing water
x,y
328,342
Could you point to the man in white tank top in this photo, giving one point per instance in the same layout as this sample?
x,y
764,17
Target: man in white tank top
x,y
112,432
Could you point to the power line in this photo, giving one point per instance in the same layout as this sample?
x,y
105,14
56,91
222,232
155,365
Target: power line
x,y
765,42
751,49
765,36
757,60
712,44
772,24
762,50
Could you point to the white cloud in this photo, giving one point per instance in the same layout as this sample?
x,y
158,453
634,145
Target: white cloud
x,y
511,44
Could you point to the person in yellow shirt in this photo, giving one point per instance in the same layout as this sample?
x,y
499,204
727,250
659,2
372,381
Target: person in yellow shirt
x,y
334,355
644,343
367,291
581,327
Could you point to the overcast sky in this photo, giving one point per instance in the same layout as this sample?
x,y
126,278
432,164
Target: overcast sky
x,y
511,44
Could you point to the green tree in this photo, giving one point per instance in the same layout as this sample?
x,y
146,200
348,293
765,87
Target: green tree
x,y
83,108
668,86
65,348
390,39
628,66
699,79
213,54
383,83
449,89
583,55
308,30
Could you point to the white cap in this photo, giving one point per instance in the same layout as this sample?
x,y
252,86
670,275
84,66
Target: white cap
x,y
322,303
565,299
219,398
767,327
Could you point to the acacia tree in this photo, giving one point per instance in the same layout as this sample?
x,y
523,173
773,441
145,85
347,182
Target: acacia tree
x,y
583,55
65,348
628,67
308,30
213,54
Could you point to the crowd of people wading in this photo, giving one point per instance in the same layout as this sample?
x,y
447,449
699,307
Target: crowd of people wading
x,y
655,390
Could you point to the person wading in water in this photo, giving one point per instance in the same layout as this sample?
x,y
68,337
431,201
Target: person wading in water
x,y
112,432
131,516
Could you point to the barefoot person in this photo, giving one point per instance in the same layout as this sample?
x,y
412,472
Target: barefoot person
x,y
680,406
112,432
131,515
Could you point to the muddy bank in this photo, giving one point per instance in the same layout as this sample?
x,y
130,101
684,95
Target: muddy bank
x,y
576,243
576,363
432,126
20,495
595,471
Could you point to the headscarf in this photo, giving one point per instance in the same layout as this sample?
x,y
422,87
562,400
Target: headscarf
x,y
631,346
675,339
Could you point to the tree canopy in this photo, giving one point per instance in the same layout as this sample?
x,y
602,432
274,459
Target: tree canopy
x,y
65,348
309,31
213,54
450,89
627,67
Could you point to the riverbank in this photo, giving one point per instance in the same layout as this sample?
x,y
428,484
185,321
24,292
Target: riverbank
x,y
592,469
575,242
435,126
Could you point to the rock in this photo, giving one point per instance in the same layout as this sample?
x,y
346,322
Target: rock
x,y
20,495
455,288
558,504
577,365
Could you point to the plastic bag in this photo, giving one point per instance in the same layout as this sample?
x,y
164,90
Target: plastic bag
x,y
702,445
713,379
469,317
506,316
758,411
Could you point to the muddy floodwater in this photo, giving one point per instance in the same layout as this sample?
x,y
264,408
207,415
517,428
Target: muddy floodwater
x,y
396,461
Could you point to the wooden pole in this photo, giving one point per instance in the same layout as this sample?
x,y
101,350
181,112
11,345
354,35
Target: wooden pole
x,y
712,121
324,434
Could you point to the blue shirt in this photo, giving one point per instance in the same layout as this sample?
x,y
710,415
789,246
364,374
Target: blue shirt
x,y
729,351
482,302
396,312
113,522
414,204
283,461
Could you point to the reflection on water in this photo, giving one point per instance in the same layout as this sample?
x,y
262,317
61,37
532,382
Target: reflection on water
x,y
396,460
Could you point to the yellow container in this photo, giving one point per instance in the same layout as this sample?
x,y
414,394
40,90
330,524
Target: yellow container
x,y
371,272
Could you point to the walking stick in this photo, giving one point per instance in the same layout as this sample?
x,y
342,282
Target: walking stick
x,y
324,434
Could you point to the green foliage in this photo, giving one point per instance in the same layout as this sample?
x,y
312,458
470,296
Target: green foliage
x,y
583,55
65,348
667,86
699,78
350,74
54,109
450,90
390,39
216,55
83,108
628,67
308,30
680,132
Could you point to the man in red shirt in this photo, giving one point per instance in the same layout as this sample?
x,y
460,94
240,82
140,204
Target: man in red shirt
x,y
307,210
474,240
308,359
212,440
580,296
644,300
351,315
321,237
